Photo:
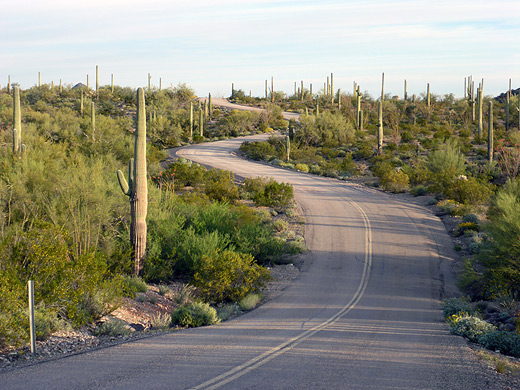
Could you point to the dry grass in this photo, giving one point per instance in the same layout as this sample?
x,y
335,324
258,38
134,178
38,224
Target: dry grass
x,y
502,364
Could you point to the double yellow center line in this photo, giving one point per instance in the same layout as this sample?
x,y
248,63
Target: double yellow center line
x,y
256,362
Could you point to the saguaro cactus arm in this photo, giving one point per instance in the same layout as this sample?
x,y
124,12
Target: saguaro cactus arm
x,y
126,187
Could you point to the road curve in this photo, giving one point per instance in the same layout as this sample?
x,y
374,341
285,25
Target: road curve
x,y
225,103
364,314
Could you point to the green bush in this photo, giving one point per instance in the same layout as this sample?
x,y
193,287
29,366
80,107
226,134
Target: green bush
x,y
394,181
445,165
274,194
507,343
113,328
227,276
452,207
132,285
473,218
470,327
452,306
419,191
249,302
464,227
302,167
469,191
500,255
194,315
258,150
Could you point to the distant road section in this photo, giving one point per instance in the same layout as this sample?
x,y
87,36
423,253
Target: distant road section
x,y
225,103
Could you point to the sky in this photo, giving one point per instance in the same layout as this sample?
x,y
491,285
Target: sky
x,y
210,44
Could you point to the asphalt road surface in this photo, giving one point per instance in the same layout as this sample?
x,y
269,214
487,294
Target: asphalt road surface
x,y
364,314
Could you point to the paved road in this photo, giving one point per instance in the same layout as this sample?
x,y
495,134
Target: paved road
x,y
365,313
225,103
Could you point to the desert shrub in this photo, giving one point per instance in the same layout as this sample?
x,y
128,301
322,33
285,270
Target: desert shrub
x,y
222,189
258,150
302,167
160,321
501,253
470,327
473,218
194,315
132,285
186,174
417,172
348,165
507,343
237,123
451,207
445,165
453,306
226,311
113,328
229,276
280,225
268,192
419,191
394,181
469,191
164,290
464,227
249,302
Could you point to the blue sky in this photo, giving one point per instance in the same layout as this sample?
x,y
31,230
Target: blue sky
x,y
210,44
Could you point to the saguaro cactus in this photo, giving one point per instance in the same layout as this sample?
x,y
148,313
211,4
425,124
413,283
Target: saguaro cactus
x,y
490,132
201,122
331,89
380,129
9,84
93,120
508,102
136,187
358,111
18,147
210,105
480,96
81,103
191,120
288,147
97,81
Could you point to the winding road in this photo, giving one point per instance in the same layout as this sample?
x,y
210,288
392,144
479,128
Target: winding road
x,y
364,314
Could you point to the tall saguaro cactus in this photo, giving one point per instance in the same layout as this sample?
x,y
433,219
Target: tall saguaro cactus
x,y
136,188
93,120
288,147
480,95
191,120
97,82
358,111
380,129
18,147
490,132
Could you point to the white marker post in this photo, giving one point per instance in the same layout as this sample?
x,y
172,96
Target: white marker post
x,y
31,316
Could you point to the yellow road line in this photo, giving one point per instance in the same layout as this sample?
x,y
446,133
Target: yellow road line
x,y
256,362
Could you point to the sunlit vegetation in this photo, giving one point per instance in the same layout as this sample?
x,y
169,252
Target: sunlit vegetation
x,y
432,145
65,224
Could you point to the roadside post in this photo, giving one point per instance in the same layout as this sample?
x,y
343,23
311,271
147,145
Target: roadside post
x,y
31,316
